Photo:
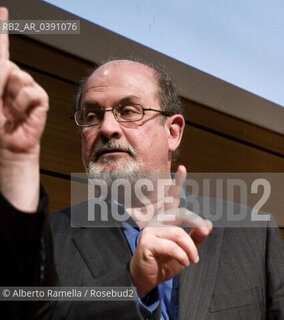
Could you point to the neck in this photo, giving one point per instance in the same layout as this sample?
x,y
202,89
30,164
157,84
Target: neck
x,y
146,201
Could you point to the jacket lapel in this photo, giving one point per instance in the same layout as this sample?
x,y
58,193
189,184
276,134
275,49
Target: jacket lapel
x,y
99,256
197,281
101,245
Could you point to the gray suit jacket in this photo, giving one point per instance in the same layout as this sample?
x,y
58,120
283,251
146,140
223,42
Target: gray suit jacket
x,y
240,274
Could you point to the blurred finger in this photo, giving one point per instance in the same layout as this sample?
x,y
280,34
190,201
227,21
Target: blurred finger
x,y
17,80
19,85
4,38
175,189
198,235
163,243
178,217
173,250
27,98
180,237
192,220
200,228
6,68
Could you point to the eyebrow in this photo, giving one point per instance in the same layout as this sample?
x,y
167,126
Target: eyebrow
x,y
131,98
91,104
127,99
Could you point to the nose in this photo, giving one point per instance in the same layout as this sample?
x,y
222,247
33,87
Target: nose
x,y
109,128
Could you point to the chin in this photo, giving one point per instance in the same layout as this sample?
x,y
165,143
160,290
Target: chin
x,y
114,168
111,164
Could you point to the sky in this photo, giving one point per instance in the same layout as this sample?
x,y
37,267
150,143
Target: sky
x,y
241,42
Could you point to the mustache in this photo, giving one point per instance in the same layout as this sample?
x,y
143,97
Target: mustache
x,y
111,145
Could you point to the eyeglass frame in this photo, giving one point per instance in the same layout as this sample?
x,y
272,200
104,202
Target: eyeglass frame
x,y
164,113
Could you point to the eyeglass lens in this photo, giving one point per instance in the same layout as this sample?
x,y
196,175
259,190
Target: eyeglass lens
x,y
95,115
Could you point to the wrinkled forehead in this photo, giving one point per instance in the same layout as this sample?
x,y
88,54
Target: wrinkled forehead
x,y
123,73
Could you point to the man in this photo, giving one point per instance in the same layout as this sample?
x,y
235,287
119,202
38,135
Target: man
x,y
126,132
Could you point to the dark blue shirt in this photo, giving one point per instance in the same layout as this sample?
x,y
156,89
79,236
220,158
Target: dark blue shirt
x,y
166,294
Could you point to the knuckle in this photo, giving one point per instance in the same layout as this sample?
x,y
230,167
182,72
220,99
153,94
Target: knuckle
x,y
173,250
205,231
16,75
42,93
35,93
7,68
26,77
21,76
144,239
177,232
26,91
148,231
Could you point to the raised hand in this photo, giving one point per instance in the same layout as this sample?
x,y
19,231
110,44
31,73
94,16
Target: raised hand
x,y
165,249
23,104
23,109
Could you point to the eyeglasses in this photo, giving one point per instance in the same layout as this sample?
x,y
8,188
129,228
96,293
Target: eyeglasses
x,y
94,115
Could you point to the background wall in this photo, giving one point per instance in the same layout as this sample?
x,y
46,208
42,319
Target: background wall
x,y
214,142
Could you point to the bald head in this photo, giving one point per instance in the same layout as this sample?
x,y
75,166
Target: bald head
x,y
128,76
120,65
163,83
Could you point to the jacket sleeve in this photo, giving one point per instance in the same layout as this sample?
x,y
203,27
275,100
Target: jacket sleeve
x,y
275,272
27,257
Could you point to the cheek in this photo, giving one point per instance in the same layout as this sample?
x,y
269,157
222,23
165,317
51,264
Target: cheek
x,y
150,145
87,140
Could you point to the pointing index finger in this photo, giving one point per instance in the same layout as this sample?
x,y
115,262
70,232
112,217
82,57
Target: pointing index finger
x,y
175,189
4,39
180,177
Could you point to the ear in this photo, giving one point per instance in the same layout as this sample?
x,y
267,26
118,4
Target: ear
x,y
175,125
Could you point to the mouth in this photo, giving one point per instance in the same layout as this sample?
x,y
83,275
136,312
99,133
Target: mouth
x,y
110,153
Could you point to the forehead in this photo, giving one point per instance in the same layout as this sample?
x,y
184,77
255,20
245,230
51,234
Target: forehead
x,y
120,78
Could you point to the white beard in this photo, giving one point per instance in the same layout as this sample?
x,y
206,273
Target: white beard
x,y
130,170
